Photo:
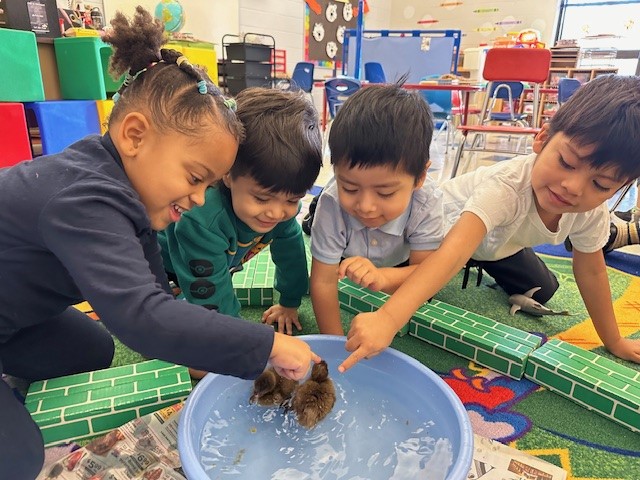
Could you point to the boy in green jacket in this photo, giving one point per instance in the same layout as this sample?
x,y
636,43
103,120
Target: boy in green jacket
x,y
254,206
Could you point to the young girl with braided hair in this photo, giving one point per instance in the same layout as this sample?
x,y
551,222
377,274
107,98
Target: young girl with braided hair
x,y
81,225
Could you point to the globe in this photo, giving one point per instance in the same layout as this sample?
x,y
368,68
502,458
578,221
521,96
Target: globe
x,y
171,13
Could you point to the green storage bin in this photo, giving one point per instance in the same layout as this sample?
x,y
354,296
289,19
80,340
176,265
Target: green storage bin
x,y
20,75
83,65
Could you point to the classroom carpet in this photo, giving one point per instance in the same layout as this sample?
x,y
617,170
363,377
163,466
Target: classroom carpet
x,y
520,413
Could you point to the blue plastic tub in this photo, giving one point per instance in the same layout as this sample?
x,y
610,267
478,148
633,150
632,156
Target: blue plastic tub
x,y
393,419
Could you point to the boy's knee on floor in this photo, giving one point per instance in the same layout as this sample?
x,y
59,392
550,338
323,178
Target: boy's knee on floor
x,y
547,291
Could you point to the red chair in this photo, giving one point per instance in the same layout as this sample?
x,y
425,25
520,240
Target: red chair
x,y
14,136
513,65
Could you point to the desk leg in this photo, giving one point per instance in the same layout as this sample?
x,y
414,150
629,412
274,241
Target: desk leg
x,y
324,110
465,109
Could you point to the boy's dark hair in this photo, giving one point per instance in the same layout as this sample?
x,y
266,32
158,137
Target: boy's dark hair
x,y
282,150
605,112
383,125
156,84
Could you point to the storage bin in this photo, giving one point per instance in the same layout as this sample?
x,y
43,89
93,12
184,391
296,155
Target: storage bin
x,y
248,69
249,51
104,110
20,75
14,136
236,85
62,122
202,54
83,64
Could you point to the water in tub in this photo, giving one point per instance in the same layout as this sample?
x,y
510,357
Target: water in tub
x,y
375,431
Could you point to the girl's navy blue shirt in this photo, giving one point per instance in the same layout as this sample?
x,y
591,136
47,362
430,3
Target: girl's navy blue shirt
x,y
72,228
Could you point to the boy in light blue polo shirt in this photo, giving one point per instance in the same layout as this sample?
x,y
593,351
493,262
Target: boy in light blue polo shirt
x,y
381,214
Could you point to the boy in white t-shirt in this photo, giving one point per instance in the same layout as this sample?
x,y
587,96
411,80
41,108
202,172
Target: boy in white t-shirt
x,y
588,152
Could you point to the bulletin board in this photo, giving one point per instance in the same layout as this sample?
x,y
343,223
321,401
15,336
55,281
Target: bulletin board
x,y
325,26
417,53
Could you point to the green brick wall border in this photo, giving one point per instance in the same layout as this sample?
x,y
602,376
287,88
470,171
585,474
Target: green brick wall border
x,y
82,406
356,299
591,380
491,344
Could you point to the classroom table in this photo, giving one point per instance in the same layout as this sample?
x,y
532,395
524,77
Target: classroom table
x,y
465,88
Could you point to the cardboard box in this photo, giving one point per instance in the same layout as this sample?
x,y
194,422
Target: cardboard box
x,y
37,16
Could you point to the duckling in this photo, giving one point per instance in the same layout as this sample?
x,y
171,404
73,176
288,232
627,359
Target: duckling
x,y
314,399
270,389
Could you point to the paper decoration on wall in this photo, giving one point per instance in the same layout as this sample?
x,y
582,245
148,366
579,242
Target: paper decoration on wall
x,y
486,10
331,12
314,6
318,32
486,28
325,24
427,20
451,4
508,22
332,50
347,12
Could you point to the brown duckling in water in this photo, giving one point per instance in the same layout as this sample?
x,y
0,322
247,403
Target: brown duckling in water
x,y
314,399
270,389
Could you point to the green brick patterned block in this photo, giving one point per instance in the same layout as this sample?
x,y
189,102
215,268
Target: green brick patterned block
x,y
264,270
253,284
244,278
491,344
84,405
593,381
356,299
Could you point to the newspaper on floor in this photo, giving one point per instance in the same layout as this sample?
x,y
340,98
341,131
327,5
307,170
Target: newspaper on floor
x,y
143,449
493,460
146,449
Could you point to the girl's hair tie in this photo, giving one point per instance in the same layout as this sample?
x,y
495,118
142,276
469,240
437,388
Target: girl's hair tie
x,y
230,103
181,59
202,87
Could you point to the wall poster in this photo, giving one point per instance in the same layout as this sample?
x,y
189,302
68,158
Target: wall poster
x,y
325,23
